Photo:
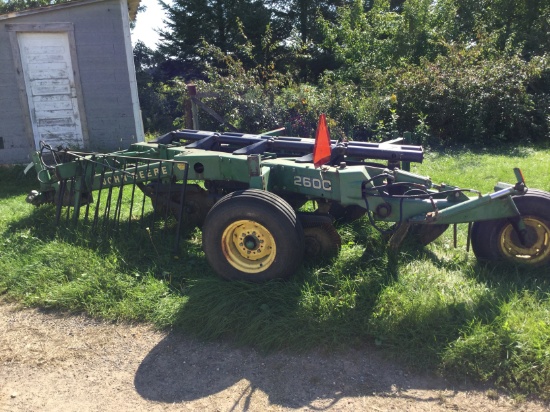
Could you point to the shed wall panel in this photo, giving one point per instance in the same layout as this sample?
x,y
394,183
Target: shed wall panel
x,y
17,146
103,69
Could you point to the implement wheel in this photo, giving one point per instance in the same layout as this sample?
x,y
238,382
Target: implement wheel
x,y
321,238
253,235
321,242
497,239
426,234
166,202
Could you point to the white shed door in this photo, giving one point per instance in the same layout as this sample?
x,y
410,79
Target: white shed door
x,y
49,80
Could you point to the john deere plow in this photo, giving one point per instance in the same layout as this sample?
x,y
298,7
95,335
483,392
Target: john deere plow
x,y
263,201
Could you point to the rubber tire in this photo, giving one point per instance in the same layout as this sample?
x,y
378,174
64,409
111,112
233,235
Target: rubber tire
x,y
486,235
321,238
321,242
266,209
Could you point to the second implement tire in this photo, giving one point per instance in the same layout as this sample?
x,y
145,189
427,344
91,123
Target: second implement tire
x,y
497,239
253,235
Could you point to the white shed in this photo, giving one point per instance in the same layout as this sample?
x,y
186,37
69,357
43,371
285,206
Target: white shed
x,y
67,78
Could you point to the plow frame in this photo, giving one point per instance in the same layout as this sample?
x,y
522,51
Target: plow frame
x,y
359,177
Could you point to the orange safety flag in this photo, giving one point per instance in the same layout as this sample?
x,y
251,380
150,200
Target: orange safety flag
x,y
321,150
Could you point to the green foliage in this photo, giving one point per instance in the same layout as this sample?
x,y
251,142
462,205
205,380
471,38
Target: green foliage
x,y
245,97
9,6
224,24
451,71
260,98
218,22
507,24
350,112
461,98
302,14
457,88
160,96
374,39
471,99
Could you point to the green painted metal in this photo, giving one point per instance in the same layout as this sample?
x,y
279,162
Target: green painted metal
x,y
388,192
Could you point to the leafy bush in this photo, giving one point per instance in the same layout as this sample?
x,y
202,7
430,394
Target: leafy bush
x,y
467,99
245,98
259,99
460,98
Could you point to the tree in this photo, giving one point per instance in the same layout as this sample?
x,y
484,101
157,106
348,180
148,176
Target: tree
x,y
380,36
9,6
303,33
221,23
159,92
302,14
505,25
286,30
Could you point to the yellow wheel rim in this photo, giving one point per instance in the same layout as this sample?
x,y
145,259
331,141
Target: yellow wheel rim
x,y
248,246
537,247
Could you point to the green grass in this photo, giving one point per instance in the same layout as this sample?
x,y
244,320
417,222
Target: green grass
x,y
432,307
482,168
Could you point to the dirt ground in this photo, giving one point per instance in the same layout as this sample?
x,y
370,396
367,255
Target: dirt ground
x,y
56,362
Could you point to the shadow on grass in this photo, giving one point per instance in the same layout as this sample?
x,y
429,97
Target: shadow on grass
x,y
324,304
148,237
259,323
15,182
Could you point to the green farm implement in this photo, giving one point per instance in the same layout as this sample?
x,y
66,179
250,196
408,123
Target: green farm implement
x,y
247,193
